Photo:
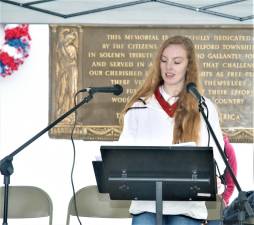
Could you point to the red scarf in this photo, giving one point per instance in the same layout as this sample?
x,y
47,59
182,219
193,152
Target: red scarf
x,y
169,109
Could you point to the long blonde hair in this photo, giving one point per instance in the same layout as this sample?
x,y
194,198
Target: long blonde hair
x,y
187,118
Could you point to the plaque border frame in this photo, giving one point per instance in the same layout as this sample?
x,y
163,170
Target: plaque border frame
x,y
112,132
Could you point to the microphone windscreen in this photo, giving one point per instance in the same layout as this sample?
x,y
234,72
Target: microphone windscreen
x,y
190,86
118,89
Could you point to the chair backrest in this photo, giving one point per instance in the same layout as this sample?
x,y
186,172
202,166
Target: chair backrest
x,y
91,203
249,221
215,209
27,202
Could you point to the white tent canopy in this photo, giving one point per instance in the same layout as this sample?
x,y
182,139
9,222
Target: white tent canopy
x,y
128,11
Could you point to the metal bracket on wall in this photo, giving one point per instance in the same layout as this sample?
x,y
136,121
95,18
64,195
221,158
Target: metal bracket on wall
x,y
204,9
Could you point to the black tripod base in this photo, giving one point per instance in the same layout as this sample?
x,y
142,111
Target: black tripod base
x,y
240,211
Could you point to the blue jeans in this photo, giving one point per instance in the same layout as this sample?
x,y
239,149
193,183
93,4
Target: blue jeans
x,y
150,219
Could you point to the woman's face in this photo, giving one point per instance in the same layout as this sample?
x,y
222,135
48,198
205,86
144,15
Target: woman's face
x,y
173,66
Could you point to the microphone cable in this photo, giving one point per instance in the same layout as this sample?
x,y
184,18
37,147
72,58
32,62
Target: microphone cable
x,y
222,205
208,144
74,161
209,138
208,131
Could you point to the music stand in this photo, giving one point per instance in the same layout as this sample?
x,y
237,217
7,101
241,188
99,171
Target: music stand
x,y
157,173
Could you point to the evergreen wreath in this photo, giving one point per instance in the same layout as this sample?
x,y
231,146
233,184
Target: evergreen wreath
x,y
15,48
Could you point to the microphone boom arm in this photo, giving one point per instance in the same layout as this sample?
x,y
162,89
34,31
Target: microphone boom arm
x,y
6,167
243,203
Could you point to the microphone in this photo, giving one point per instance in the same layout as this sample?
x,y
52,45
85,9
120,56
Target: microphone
x,y
116,89
192,89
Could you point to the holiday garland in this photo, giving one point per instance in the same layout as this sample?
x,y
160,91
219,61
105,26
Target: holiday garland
x,y
15,48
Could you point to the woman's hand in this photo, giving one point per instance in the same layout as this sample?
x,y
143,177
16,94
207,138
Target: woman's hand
x,y
220,186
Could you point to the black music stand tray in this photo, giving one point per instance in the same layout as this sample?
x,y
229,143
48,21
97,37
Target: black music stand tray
x,y
178,173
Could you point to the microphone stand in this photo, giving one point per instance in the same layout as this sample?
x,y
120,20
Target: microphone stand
x,y
243,203
6,166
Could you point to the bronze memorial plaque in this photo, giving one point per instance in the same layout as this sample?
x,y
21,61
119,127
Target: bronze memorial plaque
x,y
94,56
